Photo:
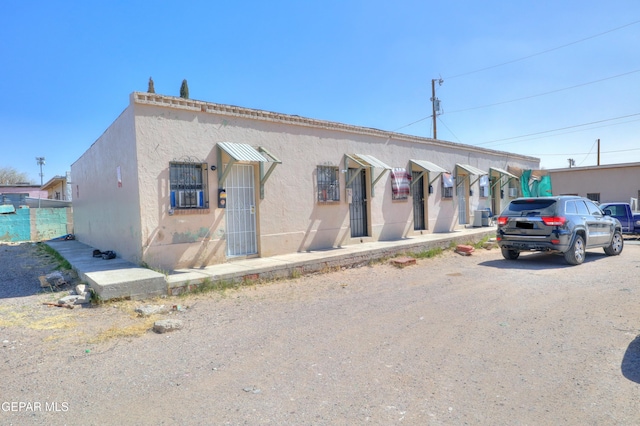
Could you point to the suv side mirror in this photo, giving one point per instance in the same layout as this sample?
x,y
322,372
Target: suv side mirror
x,y
607,212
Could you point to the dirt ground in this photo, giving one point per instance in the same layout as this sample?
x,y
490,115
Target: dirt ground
x,y
452,340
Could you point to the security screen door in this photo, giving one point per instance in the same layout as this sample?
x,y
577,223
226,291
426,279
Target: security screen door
x,y
358,206
241,211
417,193
461,187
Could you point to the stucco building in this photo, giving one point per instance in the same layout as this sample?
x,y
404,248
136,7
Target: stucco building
x,y
603,183
58,188
178,183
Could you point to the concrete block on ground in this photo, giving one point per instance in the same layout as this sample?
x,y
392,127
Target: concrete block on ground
x,y
129,283
148,310
167,325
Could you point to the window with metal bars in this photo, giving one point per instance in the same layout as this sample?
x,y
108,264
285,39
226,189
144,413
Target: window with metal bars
x,y
447,185
188,185
484,186
328,184
594,196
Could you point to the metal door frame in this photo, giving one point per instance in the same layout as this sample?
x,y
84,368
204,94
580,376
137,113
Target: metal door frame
x,y
358,216
419,201
241,211
462,191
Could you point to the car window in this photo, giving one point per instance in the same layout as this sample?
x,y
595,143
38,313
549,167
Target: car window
x,y
593,209
531,207
615,210
570,207
582,209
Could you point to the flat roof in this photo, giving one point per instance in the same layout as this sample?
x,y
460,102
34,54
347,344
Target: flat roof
x,y
154,99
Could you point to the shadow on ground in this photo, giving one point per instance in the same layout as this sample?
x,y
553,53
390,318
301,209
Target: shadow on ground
x,y
540,260
631,361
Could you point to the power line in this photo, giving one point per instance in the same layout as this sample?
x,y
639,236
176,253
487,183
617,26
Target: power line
x,y
523,98
411,124
587,153
561,128
573,131
545,93
543,52
450,131
537,95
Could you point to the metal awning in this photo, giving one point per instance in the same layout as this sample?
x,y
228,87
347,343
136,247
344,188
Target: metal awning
x,y
503,172
470,170
369,160
495,171
242,152
366,161
427,167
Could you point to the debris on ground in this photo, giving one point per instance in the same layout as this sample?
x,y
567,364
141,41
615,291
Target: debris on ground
x,y
464,250
109,254
401,262
60,305
52,280
167,325
148,310
491,244
81,295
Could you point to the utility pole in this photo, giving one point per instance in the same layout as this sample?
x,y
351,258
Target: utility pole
x,y
40,161
598,151
435,104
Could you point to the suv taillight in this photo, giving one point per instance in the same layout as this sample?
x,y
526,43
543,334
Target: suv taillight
x,y
502,220
554,220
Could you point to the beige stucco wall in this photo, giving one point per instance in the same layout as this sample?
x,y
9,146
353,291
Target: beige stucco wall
x,y
60,188
289,217
615,182
109,208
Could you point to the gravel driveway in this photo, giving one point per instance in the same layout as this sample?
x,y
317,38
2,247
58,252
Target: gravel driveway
x,y
474,340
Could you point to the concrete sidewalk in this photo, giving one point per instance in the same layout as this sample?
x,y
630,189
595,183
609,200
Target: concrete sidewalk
x,y
117,278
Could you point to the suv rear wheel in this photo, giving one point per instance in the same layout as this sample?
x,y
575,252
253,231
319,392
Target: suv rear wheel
x,y
510,254
575,254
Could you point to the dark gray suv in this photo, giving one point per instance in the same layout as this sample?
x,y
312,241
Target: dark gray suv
x,y
564,224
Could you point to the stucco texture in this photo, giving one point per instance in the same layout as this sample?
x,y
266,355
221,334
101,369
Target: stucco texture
x,y
155,130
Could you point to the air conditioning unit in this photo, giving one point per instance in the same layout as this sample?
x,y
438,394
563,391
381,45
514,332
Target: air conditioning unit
x,y
513,192
187,199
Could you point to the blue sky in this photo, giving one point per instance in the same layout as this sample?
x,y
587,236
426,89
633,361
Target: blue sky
x,y
542,78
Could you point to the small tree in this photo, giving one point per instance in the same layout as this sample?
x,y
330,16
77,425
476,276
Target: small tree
x,y
9,175
151,89
184,90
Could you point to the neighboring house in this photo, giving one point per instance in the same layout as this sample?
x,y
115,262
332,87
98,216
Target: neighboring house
x,y
17,191
59,188
604,183
176,183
